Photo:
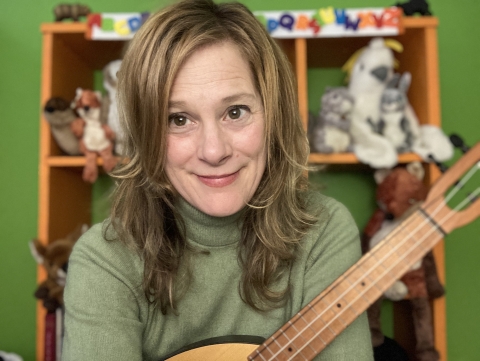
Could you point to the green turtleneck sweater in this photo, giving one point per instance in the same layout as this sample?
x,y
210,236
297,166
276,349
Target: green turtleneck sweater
x,y
108,318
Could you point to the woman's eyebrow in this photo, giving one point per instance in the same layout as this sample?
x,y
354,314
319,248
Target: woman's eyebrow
x,y
239,96
229,99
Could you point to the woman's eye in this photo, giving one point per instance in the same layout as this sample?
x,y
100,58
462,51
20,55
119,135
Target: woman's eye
x,y
178,120
236,112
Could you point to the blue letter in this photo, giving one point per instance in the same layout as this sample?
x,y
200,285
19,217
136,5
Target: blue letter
x,y
287,21
351,24
341,16
134,24
272,24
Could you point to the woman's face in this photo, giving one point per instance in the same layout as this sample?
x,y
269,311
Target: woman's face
x,y
216,153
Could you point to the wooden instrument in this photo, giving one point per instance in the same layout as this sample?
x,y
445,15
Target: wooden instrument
x,y
316,325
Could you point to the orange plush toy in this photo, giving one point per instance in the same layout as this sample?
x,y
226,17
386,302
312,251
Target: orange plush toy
x,y
398,191
96,139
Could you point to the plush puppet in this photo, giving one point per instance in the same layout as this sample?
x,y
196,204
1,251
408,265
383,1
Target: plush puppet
x,y
110,84
330,131
60,116
70,11
54,258
8,356
395,123
412,7
369,71
398,191
95,138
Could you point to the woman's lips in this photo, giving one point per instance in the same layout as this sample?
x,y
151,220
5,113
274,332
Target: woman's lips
x,y
218,181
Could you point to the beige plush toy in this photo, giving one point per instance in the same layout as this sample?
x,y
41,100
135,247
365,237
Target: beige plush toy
x,y
96,139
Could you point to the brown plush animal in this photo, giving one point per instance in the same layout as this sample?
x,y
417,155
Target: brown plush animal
x,y
96,139
399,190
54,258
70,11
60,116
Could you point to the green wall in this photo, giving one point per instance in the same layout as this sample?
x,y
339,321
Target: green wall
x,y
20,49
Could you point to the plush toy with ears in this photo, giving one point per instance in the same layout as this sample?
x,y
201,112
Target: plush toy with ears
x,y
60,116
369,71
95,138
399,190
110,81
54,258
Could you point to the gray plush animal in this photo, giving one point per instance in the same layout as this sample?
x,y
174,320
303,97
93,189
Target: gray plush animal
x,y
329,132
60,115
394,123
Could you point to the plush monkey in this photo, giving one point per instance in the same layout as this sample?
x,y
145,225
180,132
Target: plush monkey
x,y
398,191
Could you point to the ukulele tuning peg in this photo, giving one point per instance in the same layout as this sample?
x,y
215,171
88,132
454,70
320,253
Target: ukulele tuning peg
x,y
458,142
442,167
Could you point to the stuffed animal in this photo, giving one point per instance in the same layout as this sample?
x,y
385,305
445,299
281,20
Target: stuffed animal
x,y
110,84
330,131
415,6
70,11
399,190
95,138
60,116
54,258
369,71
395,124
400,125
4,356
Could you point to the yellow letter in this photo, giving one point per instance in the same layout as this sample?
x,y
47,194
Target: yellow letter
x,y
121,27
327,15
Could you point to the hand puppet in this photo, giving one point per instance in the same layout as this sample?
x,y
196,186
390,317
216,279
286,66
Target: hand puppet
x,y
412,7
60,116
54,258
369,71
96,139
330,131
399,190
70,11
110,84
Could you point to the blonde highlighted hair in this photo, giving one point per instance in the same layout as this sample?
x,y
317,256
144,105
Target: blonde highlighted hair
x,y
143,211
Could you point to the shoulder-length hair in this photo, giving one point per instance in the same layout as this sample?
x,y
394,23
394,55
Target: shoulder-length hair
x,y
143,212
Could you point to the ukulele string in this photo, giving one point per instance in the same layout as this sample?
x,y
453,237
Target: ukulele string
x,y
449,214
431,230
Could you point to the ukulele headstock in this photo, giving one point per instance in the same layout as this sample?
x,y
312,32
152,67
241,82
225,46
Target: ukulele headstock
x,y
457,178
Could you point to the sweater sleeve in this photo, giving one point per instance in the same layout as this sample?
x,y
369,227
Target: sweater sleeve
x,y
336,248
102,317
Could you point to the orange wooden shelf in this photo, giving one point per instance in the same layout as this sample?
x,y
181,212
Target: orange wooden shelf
x,y
350,158
69,161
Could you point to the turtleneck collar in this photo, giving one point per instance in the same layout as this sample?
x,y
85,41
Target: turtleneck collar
x,y
208,230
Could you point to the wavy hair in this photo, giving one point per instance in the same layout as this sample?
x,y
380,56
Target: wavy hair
x,y
143,211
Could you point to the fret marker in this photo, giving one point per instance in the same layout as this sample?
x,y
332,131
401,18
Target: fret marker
x,y
290,349
363,283
339,305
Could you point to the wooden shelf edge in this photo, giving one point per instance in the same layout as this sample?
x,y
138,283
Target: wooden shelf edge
x,y
350,158
419,21
59,27
67,161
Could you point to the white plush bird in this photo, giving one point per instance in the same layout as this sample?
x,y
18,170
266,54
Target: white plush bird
x,y
370,69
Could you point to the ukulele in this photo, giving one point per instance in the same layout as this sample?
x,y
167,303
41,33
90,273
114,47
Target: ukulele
x,y
327,315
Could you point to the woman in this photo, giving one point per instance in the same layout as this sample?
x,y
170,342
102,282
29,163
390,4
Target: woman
x,y
213,231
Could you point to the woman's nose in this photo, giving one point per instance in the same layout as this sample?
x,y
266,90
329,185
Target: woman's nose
x,y
215,147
